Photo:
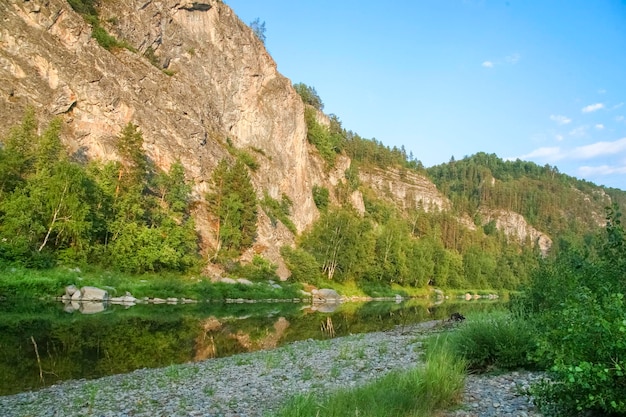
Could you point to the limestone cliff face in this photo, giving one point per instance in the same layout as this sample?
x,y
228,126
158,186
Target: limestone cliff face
x,y
514,225
220,85
408,190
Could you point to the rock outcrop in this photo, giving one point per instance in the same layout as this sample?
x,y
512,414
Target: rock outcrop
x,y
514,225
406,189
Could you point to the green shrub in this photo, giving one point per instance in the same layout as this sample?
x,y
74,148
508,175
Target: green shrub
x,y
321,197
276,210
303,266
494,340
576,303
260,269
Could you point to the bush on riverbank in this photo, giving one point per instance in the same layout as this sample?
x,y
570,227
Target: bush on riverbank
x,y
497,340
576,303
415,392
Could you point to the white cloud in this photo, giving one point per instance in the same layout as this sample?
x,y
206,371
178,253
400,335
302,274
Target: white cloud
x,y
578,131
553,153
513,58
597,149
599,126
509,60
592,107
591,151
559,138
559,119
601,170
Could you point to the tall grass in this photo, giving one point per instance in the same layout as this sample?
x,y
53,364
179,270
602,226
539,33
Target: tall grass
x,y
415,392
495,340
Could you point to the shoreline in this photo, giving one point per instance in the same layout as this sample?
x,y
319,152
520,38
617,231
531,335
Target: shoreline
x,y
248,384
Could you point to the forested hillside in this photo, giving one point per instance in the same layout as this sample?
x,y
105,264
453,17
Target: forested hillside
x,y
557,204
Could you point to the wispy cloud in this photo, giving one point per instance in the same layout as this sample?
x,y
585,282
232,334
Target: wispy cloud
x,y
599,126
559,119
592,107
617,106
578,131
552,153
586,152
511,59
601,170
597,149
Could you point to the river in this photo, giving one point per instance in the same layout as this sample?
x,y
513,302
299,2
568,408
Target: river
x,y
42,344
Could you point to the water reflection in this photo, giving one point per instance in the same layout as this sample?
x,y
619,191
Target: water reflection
x,y
41,344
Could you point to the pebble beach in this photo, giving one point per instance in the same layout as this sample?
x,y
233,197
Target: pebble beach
x,y
255,384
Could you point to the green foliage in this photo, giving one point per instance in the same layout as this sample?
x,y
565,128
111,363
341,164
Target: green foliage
x,y
54,209
279,211
84,7
233,202
328,143
496,340
260,269
414,392
340,241
552,202
576,303
321,197
303,265
309,95
87,8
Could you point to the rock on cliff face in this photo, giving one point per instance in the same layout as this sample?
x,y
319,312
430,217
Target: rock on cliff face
x,y
407,190
224,86
515,226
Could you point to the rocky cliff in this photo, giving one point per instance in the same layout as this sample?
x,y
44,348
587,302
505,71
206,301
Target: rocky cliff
x,y
193,79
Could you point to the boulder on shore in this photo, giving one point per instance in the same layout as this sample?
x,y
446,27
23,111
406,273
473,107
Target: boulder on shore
x,y
93,294
326,295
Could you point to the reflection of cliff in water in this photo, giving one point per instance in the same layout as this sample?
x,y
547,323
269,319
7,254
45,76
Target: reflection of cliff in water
x,y
118,340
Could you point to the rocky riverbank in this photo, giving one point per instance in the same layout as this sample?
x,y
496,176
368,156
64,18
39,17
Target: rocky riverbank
x,y
249,385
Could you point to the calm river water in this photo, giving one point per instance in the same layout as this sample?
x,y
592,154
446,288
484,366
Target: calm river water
x,y
41,344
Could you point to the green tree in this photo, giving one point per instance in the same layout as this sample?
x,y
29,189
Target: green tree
x,y
233,204
342,244
309,95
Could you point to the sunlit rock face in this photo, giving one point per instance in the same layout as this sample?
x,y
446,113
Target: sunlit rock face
x,y
199,77
516,227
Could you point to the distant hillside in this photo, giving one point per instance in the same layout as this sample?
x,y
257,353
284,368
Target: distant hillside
x,y
550,201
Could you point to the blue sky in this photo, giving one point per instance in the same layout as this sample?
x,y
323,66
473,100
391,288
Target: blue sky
x,y
539,80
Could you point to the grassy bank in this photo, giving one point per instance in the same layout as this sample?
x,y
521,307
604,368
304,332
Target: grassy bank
x,y
416,392
17,282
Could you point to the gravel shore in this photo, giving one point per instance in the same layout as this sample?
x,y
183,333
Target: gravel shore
x,y
251,384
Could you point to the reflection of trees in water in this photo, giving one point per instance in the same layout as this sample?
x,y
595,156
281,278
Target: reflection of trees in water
x,y
215,334
73,346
